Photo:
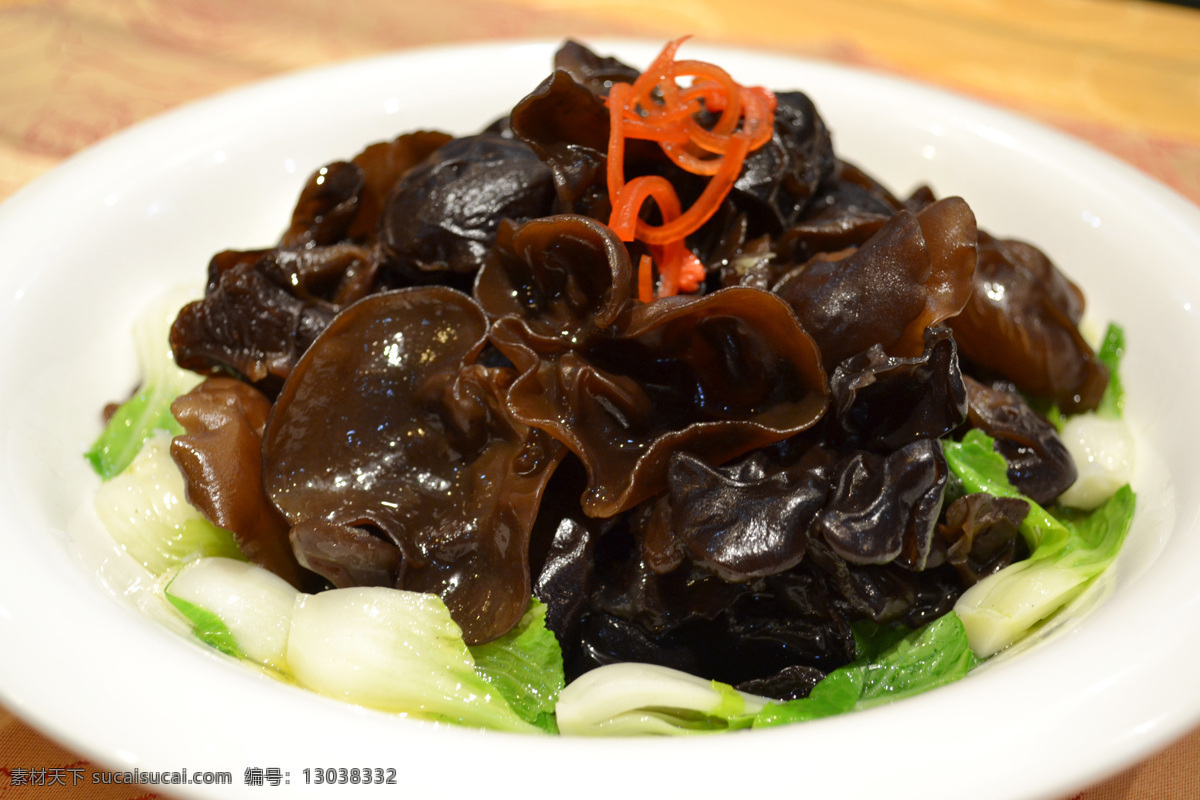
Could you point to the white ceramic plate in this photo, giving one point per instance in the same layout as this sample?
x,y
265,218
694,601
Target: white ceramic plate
x,y
87,246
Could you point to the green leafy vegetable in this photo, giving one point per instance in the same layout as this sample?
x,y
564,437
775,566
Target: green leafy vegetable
x,y
395,651
893,663
872,639
976,463
928,657
208,627
526,668
837,693
1111,351
377,648
150,409
1065,553
916,662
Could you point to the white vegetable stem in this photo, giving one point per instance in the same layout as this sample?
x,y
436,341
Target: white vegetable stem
x,y
395,651
630,698
151,336
1103,451
254,603
1005,605
145,509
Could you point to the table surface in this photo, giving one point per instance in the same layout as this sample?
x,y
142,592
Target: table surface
x,y
1122,74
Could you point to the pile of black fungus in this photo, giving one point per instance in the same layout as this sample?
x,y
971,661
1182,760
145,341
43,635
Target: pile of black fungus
x,y
441,379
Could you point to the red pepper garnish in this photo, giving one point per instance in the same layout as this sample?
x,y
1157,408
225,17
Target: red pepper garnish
x,y
655,107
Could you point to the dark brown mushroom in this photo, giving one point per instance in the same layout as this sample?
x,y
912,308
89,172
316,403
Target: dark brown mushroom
x,y
1022,322
715,376
248,325
883,403
912,274
981,534
220,457
388,429
566,125
1039,464
442,216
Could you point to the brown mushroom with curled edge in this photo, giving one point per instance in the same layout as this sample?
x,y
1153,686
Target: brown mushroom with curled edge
x,y
912,274
626,384
1023,322
395,460
1039,464
219,455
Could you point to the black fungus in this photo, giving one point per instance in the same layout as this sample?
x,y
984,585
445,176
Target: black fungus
x,y
442,216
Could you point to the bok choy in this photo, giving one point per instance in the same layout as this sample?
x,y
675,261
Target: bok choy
x,y
1066,552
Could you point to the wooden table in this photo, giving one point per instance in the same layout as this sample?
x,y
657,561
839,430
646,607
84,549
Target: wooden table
x,y
1124,75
